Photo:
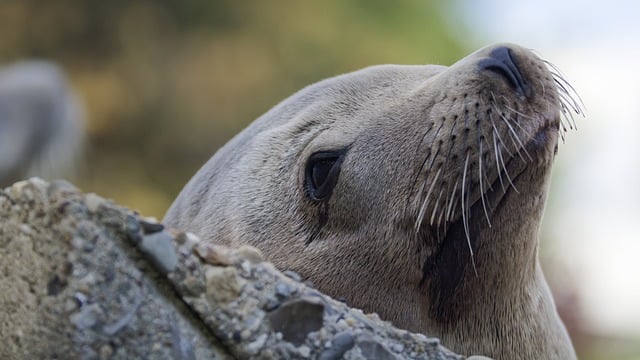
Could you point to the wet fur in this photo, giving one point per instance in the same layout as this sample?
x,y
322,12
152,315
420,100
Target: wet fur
x,y
434,220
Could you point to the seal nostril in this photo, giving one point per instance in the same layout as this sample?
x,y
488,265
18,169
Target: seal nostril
x,y
501,62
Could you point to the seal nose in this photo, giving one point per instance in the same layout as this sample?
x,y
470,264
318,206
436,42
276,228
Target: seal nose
x,y
501,62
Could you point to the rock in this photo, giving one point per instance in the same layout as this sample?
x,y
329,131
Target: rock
x,y
160,249
340,344
374,350
150,225
85,278
297,318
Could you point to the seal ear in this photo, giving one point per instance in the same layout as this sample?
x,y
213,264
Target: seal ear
x,y
321,173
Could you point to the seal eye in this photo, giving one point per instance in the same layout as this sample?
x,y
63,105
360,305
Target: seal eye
x,y
322,173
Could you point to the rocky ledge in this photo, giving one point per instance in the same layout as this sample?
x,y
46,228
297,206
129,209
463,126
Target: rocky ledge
x,y
82,277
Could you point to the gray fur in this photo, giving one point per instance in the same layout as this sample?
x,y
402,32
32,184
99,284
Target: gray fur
x,y
407,233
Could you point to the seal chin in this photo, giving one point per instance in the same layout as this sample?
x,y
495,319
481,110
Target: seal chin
x,y
538,152
458,239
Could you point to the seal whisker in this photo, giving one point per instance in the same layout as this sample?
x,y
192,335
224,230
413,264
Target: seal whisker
x,y
514,135
506,172
423,208
452,141
451,200
466,214
568,96
566,86
571,102
519,113
415,180
567,116
516,138
497,134
567,103
495,147
482,194
430,165
436,207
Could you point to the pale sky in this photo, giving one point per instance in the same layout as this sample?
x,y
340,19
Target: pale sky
x,y
594,222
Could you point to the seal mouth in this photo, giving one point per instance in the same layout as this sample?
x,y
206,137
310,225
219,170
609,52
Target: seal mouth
x,y
537,149
459,238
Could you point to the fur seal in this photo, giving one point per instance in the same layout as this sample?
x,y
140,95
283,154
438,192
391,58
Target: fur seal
x,y
41,122
415,192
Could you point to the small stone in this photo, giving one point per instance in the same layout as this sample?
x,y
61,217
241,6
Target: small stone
x,y
250,253
373,350
304,351
55,285
159,247
77,242
283,290
271,304
105,352
86,317
297,318
192,285
80,298
26,229
338,346
254,347
70,305
254,321
222,284
398,348
292,275
150,225
246,267
216,254
421,337
93,201
187,238
133,227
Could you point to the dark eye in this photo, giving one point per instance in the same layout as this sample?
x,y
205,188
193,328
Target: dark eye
x,y
322,173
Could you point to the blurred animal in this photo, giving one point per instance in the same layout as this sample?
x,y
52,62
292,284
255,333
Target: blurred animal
x,y
41,127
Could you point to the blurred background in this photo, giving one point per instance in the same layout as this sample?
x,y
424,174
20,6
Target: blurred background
x,y
158,86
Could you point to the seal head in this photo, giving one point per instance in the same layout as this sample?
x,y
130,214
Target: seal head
x,y
412,191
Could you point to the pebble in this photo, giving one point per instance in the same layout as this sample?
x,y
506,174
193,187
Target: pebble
x,y
283,290
304,351
397,348
93,201
133,228
159,247
150,225
297,318
222,284
250,253
25,229
86,317
338,346
256,345
188,239
371,349
292,275
106,352
215,254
